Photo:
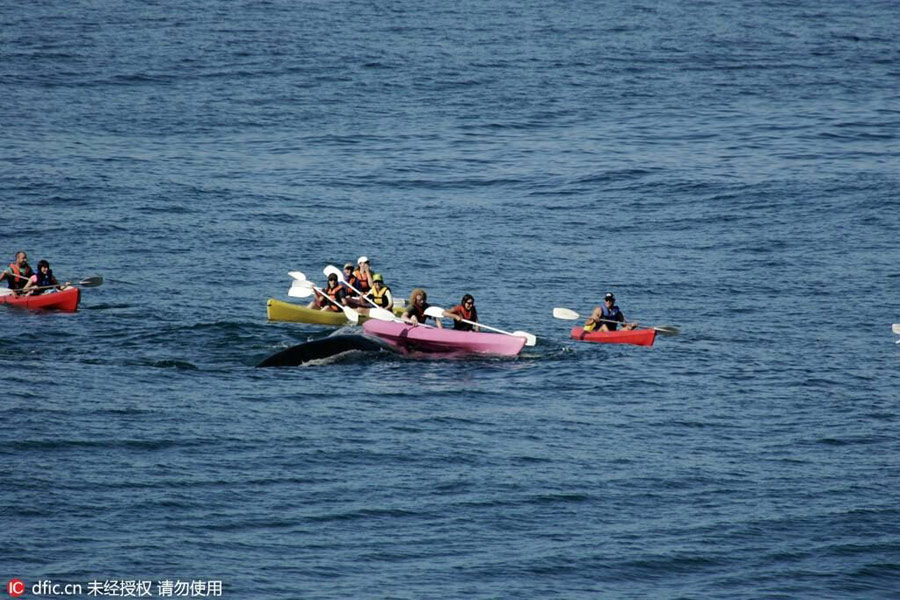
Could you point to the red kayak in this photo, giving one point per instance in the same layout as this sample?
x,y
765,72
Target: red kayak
x,y
638,337
65,300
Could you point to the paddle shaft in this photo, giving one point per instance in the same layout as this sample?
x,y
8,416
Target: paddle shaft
x,y
530,340
663,329
323,294
571,315
86,282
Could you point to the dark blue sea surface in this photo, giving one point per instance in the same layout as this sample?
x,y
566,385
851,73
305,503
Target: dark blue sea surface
x,y
730,168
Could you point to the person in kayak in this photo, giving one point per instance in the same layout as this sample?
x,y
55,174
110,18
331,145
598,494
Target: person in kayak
x,y
607,317
349,279
363,275
380,294
415,311
18,272
333,290
42,280
464,310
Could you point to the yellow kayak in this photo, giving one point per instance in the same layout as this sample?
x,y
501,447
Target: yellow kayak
x,y
296,313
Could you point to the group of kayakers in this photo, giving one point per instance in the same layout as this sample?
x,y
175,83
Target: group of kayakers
x,y
357,288
24,281
360,288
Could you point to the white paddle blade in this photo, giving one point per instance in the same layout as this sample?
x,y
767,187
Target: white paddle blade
x,y
297,275
530,340
351,315
435,312
382,314
300,292
565,313
896,328
332,269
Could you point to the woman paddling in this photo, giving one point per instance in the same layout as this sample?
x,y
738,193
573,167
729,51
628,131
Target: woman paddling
x,y
333,290
42,280
363,275
464,310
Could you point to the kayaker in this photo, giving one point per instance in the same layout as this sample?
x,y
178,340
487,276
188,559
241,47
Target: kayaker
x,y
333,290
42,280
607,317
464,310
349,280
363,275
380,294
18,272
415,311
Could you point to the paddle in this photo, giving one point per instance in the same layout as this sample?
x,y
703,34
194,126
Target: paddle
x,y
571,315
896,328
376,311
301,283
301,289
88,282
438,312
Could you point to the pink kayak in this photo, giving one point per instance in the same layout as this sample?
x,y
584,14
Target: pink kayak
x,y
638,337
431,339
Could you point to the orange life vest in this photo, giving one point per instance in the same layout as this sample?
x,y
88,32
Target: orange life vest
x,y
18,280
362,283
333,293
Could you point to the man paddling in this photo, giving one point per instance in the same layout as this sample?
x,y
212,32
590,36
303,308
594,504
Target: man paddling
x,y
607,317
415,310
18,273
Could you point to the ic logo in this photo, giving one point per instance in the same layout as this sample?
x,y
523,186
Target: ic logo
x,y
15,587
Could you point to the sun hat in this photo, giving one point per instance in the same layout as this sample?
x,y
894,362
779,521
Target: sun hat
x,y
362,259
377,277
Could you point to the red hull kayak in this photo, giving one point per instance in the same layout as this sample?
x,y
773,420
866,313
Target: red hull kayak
x,y
433,340
65,300
638,337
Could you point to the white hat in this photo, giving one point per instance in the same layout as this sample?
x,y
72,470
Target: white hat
x,y
361,260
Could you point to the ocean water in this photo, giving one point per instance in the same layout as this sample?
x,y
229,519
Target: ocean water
x,y
729,168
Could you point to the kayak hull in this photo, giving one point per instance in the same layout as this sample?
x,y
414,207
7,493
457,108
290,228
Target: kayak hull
x,y
637,337
65,300
277,310
432,340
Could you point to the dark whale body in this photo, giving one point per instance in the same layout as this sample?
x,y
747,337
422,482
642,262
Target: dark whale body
x,y
322,348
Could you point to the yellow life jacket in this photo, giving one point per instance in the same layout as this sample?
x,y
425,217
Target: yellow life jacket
x,y
380,297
